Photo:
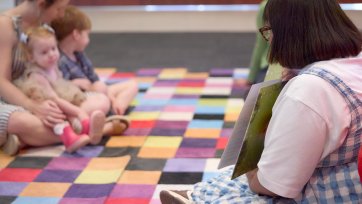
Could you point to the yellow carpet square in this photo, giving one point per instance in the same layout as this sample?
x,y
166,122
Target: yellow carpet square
x,y
231,117
146,79
108,163
196,75
98,177
202,133
105,71
144,115
140,177
173,73
5,159
159,141
47,189
212,102
154,152
126,141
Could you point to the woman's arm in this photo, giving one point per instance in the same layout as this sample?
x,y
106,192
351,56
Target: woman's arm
x,y
7,90
255,185
48,111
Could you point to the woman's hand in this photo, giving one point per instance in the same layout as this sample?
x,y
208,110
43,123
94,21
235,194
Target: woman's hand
x,y
48,112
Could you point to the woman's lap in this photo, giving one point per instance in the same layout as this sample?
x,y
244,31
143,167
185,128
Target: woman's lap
x,y
5,112
221,189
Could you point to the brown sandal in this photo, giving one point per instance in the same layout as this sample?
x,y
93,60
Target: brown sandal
x,y
120,124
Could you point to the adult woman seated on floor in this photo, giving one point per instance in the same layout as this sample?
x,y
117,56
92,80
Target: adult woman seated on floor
x,y
313,138
23,122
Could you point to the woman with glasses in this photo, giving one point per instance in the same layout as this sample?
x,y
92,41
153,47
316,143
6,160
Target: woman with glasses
x,y
313,138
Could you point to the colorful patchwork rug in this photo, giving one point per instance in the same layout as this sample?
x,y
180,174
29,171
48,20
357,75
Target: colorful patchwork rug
x,y
180,124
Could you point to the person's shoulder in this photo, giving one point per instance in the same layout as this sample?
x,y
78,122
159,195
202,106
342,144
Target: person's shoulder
x,y
7,28
6,20
306,86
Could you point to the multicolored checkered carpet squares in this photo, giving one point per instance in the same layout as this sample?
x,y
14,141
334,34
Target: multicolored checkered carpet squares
x,y
180,124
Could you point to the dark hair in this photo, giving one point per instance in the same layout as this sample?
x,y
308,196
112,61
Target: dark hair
x,y
306,31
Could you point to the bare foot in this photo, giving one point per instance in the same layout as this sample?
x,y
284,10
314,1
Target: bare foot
x,y
96,123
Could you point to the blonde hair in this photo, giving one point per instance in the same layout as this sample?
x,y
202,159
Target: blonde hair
x,y
32,33
73,19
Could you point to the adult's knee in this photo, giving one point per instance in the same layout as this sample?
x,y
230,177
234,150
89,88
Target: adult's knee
x,y
19,121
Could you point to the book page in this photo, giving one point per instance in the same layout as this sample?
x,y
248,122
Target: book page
x,y
234,146
253,143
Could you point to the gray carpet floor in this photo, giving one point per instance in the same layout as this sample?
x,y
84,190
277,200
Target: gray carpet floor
x,y
196,51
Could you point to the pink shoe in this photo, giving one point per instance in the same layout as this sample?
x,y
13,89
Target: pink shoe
x,y
72,141
94,127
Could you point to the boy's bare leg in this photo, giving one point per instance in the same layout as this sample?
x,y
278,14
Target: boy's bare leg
x,y
96,102
122,94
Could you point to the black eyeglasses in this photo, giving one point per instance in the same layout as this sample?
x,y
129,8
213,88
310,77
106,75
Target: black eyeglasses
x,y
265,31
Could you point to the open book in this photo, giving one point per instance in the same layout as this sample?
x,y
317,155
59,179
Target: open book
x,y
247,140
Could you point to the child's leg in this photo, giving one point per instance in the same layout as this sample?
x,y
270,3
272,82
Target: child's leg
x,y
70,139
94,126
122,94
94,102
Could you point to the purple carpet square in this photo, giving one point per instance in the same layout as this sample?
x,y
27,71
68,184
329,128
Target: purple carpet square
x,y
166,83
11,188
138,131
190,142
193,81
82,200
167,132
68,163
148,108
195,153
149,72
171,124
185,165
226,132
87,151
186,96
222,72
61,176
133,191
89,190
114,81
